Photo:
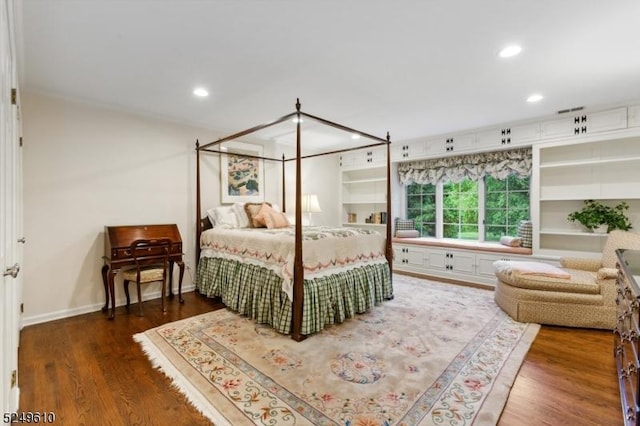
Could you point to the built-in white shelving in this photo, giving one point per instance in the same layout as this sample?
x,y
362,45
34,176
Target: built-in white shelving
x,y
363,195
571,171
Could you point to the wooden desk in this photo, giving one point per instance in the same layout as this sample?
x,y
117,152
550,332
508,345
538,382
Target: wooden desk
x,y
117,254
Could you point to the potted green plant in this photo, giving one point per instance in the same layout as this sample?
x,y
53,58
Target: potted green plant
x,y
594,214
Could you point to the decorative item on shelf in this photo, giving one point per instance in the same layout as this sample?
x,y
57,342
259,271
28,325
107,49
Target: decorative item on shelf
x,y
600,218
310,205
352,218
383,218
377,218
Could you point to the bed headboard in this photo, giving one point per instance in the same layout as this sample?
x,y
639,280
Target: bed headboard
x,y
205,224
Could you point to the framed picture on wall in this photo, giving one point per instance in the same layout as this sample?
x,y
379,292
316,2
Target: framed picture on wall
x,y
242,175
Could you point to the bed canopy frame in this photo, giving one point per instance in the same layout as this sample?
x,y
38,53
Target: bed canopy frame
x,y
298,274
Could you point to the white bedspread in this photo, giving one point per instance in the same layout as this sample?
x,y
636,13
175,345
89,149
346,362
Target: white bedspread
x,y
326,250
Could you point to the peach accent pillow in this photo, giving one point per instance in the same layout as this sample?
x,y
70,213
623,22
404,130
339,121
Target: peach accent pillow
x,y
259,219
274,219
271,218
253,210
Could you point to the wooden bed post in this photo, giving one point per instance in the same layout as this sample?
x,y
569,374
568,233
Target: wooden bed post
x,y
389,246
298,271
284,192
198,223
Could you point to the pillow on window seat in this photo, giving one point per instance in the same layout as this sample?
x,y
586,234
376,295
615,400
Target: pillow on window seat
x,y
407,233
510,241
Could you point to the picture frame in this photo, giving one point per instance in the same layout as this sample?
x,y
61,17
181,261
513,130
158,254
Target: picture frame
x,y
241,173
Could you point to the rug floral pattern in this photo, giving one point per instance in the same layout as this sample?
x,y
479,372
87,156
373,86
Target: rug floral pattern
x,y
438,354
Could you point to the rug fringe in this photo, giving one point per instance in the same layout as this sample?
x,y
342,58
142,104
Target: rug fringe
x,y
178,381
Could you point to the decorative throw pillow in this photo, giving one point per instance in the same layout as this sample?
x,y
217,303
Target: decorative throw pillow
x,y
243,219
252,210
274,219
404,225
260,218
525,232
506,240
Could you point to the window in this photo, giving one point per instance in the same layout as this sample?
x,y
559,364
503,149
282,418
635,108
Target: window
x,y
479,196
506,204
460,210
421,207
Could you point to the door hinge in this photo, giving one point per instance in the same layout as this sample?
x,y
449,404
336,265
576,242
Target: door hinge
x,y
14,96
22,308
20,141
14,378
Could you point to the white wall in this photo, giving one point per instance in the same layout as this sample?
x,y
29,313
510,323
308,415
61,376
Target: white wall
x,y
86,167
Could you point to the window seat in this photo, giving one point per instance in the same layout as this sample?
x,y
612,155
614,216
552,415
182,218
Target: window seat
x,y
463,244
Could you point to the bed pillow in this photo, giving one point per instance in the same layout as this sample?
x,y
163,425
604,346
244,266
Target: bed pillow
x,y
272,218
225,216
252,210
211,214
241,214
260,218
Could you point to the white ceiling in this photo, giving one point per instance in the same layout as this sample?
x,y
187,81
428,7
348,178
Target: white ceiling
x,y
413,68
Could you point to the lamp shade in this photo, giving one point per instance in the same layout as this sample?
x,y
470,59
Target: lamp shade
x,y
310,203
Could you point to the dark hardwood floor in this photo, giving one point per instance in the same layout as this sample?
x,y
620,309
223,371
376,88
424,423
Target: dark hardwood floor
x,y
88,371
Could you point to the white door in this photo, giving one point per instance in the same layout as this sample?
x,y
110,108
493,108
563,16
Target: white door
x,y
10,212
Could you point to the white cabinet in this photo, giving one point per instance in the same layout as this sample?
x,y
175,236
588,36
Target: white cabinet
x,y
580,124
409,257
408,151
507,136
454,261
451,145
363,158
364,196
454,264
571,172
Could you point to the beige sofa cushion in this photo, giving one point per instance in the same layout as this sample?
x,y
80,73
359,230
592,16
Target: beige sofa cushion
x,y
580,282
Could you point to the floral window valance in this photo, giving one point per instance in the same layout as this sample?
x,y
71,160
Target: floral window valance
x,y
498,164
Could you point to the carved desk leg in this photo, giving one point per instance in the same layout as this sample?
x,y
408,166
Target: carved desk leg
x,y
181,266
112,274
105,270
170,294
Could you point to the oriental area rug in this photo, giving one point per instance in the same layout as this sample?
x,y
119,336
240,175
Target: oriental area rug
x,y
437,354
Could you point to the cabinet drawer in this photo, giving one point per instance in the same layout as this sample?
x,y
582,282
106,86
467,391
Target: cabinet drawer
x,y
125,253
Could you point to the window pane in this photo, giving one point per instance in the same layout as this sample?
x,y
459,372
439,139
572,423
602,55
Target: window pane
x,y
421,207
506,204
460,213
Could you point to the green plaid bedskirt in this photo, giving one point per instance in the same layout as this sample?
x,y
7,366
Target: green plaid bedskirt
x,y
257,292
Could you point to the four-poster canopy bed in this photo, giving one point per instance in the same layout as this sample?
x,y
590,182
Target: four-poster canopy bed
x,y
353,267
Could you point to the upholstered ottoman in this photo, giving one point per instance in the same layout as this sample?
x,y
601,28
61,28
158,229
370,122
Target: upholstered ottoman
x,y
541,293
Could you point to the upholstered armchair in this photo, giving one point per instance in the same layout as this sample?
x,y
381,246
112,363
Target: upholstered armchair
x,y
579,294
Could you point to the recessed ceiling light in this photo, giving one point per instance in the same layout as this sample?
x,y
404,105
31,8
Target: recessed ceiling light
x,y
510,51
536,97
200,92
355,136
